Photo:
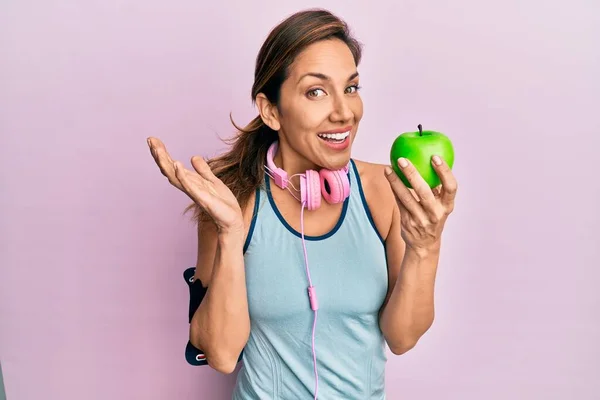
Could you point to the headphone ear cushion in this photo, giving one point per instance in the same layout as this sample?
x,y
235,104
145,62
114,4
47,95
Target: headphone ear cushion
x,y
335,185
310,189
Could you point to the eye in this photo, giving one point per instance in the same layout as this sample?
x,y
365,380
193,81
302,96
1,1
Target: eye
x,y
315,92
352,89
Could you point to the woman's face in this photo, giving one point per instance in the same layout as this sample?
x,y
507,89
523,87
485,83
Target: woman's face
x,y
320,107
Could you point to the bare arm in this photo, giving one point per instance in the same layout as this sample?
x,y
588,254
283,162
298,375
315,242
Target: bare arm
x,y
413,249
221,324
409,309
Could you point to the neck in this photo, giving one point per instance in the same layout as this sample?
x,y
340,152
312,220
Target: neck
x,y
292,162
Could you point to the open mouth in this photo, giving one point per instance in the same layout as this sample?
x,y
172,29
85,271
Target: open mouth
x,y
334,137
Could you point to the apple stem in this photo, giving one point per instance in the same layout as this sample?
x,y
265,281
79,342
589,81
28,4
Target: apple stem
x,y
420,130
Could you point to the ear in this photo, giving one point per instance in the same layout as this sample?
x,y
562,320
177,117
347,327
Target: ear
x,y
268,112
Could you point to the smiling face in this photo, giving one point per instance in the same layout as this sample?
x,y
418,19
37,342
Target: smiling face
x,y
319,108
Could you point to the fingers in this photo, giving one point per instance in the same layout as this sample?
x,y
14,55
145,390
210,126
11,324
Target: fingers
x,y
164,161
193,185
405,216
203,169
449,183
403,194
419,185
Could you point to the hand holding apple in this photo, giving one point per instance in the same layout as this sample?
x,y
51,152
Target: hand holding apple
x,y
422,161
419,147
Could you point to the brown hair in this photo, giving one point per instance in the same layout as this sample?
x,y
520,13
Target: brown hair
x,y
241,168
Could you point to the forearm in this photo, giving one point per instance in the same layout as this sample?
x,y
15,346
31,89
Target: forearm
x,y
409,311
221,325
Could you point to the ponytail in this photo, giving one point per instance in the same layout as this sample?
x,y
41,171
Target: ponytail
x,y
241,168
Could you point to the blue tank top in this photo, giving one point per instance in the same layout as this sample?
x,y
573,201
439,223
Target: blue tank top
x,y
348,269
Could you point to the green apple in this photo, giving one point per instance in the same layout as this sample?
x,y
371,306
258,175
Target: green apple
x,y
418,148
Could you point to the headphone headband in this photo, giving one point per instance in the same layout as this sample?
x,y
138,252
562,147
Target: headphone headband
x,y
279,175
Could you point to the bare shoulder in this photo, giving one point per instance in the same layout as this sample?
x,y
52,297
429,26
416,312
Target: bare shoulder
x,y
207,242
378,194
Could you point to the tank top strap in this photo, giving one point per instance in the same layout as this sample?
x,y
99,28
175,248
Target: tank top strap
x,y
358,207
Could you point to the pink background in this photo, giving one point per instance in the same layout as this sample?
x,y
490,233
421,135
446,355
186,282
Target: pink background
x,y
92,302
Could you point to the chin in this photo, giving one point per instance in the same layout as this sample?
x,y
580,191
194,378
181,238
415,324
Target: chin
x,y
336,162
335,157
341,164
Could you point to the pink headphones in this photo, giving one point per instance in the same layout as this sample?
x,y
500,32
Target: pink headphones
x,y
334,186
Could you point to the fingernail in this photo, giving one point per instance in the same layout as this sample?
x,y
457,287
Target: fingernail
x,y
388,170
437,160
149,142
175,165
403,163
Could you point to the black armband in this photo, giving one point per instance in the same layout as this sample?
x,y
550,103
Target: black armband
x,y
197,293
193,355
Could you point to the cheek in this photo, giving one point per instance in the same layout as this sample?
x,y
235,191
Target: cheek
x,y
311,117
357,109
300,123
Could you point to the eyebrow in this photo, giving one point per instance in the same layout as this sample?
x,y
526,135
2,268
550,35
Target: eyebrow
x,y
323,76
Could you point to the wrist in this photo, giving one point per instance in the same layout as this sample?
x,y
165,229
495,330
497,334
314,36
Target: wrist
x,y
424,252
231,239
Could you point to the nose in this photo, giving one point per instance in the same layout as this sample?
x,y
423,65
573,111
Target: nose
x,y
341,110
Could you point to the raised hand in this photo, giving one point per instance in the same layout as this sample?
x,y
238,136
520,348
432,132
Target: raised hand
x,y
202,186
423,216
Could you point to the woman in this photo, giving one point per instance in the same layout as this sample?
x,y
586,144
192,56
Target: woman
x,y
313,260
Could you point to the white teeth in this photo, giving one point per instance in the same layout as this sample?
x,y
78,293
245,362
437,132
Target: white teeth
x,y
335,136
